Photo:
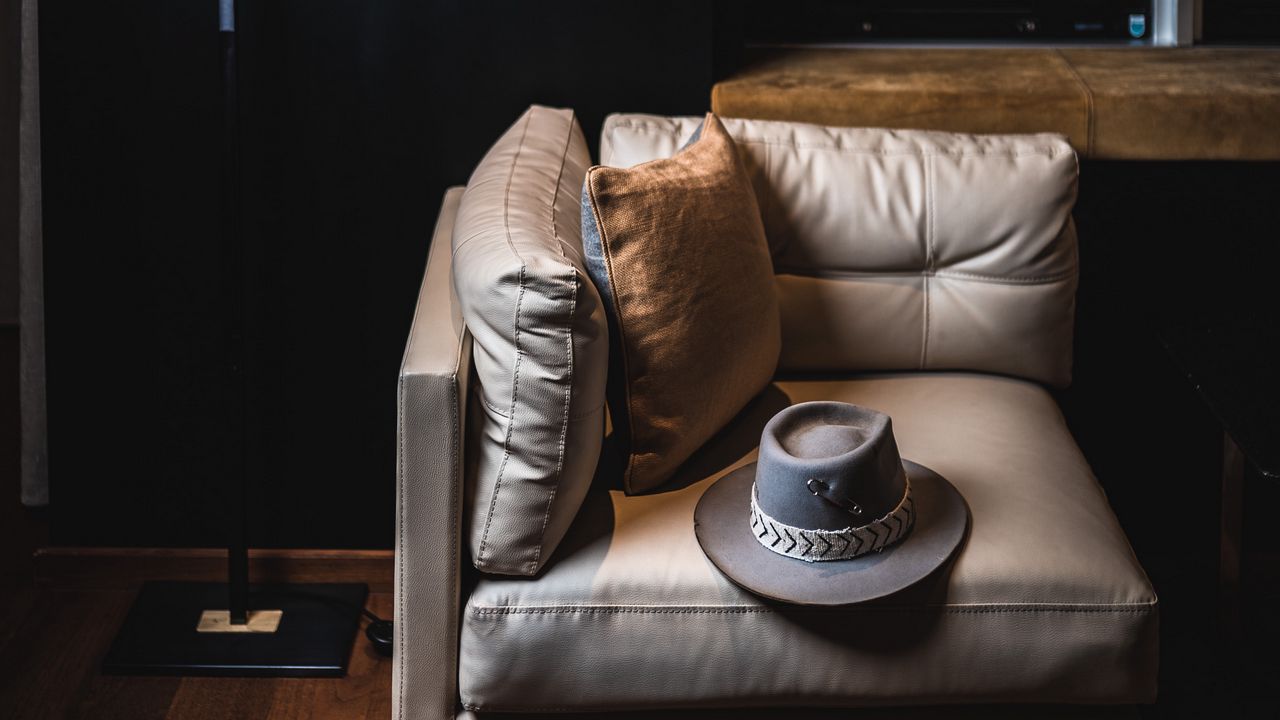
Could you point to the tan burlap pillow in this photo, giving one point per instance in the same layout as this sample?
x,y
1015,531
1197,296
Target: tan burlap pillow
x,y
678,252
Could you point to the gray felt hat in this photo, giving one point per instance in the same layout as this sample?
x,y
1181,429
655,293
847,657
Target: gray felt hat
x,y
830,514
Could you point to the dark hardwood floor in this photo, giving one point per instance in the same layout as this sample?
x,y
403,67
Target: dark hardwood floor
x,y
60,608
52,642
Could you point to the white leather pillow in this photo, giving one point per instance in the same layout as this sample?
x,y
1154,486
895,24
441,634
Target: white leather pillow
x,y
904,249
540,341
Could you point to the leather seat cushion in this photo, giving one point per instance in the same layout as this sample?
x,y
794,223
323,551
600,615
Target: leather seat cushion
x,y
1045,602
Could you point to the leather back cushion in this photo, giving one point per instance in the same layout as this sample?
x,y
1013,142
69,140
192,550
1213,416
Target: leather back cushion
x,y
904,249
540,341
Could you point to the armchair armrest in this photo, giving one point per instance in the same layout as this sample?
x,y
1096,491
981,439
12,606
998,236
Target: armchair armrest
x,y
429,485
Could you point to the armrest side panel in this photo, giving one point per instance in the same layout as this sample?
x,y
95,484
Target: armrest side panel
x,y
429,485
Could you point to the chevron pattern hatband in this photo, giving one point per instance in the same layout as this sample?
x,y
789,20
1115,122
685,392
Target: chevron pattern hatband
x,y
823,545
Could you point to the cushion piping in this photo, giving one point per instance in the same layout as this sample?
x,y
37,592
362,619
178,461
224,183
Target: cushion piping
x,y
959,608
854,275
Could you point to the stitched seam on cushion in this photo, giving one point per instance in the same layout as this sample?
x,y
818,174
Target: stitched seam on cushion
x,y
607,254
506,193
568,389
564,426
1131,609
854,275
924,325
646,124
503,413
766,210
975,609
978,277
928,254
455,532
515,339
458,246
401,584
555,198
506,442
1033,152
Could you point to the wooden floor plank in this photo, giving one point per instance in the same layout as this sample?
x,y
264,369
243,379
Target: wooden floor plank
x,y
49,663
50,668
126,698
222,699
15,604
364,693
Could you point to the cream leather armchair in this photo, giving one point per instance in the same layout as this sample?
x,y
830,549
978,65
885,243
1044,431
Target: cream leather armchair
x,y
951,318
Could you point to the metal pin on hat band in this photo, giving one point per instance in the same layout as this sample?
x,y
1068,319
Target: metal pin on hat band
x,y
823,490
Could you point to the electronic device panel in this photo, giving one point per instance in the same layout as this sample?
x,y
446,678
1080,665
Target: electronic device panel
x,y
1032,21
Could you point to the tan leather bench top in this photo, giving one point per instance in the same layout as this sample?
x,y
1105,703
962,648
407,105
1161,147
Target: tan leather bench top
x,y
1131,104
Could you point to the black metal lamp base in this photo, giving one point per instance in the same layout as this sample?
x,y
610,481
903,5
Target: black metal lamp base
x,y
314,638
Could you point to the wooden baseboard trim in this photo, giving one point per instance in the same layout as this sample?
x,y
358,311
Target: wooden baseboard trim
x,y
76,568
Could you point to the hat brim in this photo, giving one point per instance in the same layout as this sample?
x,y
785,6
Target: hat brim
x,y
722,527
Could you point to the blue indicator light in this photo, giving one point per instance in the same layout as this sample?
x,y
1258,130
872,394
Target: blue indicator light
x,y
1137,25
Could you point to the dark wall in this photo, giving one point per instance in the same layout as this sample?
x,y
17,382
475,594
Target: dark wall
x,y
1174,243
355,117
1161,242
10,25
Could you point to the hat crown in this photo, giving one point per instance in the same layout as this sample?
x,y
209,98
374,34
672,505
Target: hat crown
x,y
829,466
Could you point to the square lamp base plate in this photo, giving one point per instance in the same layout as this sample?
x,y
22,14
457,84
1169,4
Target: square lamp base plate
x,y
183,628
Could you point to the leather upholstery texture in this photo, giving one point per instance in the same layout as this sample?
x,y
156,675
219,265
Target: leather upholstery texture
x,y
540,339
432,396
678,252
905,249
1045,601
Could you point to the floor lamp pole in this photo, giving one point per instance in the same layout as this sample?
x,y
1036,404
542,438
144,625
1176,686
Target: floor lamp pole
x,y
233,246
237,629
